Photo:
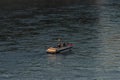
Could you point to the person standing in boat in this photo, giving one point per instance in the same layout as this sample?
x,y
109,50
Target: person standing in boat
x,y
60,43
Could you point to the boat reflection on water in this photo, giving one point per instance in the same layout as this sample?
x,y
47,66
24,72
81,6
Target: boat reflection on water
x,y
59,57
52,57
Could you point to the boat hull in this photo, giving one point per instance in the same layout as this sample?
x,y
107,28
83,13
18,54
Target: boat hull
x,y
58,50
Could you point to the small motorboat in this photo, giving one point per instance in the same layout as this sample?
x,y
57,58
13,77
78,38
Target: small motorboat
x,y
60,49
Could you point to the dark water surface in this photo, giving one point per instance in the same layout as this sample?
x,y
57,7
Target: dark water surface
x,y
93,29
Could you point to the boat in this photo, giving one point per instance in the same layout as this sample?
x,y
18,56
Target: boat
x,y
59,49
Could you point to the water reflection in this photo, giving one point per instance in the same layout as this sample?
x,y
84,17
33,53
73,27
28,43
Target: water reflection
x,y
108,67
52,57
59,56
93,29
21,4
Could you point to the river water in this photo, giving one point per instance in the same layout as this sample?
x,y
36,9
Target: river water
x,y
94,30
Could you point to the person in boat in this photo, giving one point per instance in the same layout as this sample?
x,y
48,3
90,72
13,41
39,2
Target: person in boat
x,y
64,44
61,43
